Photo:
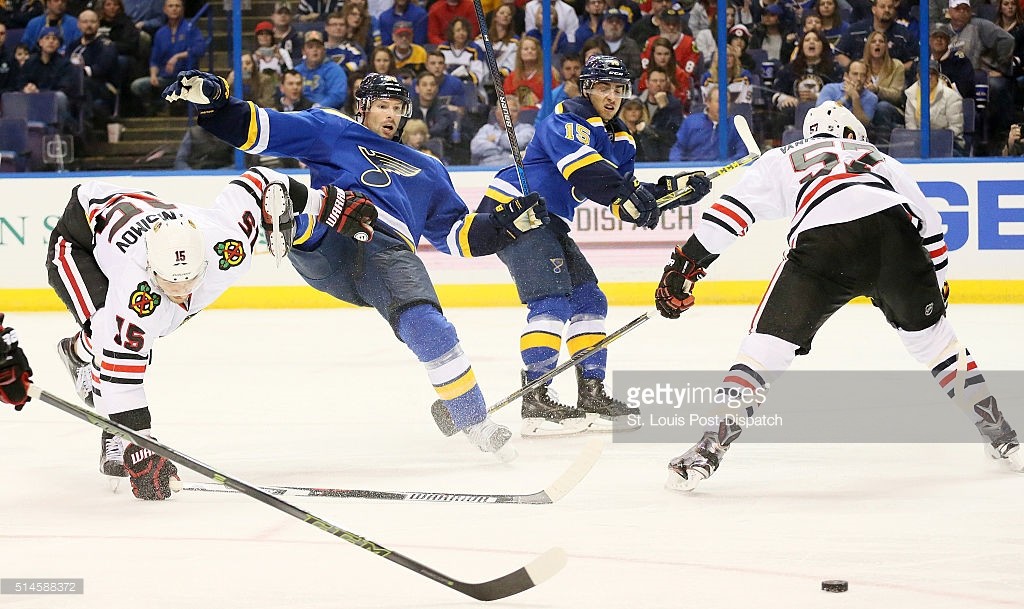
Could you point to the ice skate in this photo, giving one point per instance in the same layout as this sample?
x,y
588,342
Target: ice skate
x,y
80,370
696,464
277,220
490,437
1007,451
603,412
112,458
544,415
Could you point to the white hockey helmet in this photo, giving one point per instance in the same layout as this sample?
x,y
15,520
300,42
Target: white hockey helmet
x,y
832,118
176,254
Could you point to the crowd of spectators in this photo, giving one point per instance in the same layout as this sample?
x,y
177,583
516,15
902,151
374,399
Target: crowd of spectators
x,y
782,57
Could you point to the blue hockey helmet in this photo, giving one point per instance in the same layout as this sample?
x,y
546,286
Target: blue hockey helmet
x,y
605,68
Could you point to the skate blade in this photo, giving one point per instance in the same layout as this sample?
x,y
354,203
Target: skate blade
x,y
1014,461
507,453
113,483
543,428
274,206
600,424
675,482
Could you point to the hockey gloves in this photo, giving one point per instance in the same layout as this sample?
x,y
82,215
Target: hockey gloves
x,y
636,203
206,91
14,370
521,214
349,212
149,473
675,292
698,183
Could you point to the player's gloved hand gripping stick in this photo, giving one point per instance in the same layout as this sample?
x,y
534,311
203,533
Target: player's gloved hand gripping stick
x,y
753,153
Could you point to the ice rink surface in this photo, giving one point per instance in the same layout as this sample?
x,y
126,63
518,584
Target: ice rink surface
x,y
329,398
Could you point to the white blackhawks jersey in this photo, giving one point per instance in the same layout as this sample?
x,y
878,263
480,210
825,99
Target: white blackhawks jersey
x,y
136,312
817,182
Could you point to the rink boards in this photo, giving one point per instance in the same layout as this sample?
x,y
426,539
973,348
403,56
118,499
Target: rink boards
x,y
982,205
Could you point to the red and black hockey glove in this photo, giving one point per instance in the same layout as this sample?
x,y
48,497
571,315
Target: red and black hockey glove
x,y
14,370
349,212
675,291
150,473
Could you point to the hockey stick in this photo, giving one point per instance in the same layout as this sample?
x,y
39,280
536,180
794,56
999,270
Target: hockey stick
x,y
537,571
753,153
499,91
572,476
444,419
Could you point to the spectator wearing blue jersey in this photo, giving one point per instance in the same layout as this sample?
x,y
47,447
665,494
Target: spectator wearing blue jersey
x,y
339,48
177,46
355,237
404,10
590,22
323,82
56,17
697,139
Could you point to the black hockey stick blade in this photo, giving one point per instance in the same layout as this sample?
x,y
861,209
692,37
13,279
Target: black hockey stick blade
x,y
443,418
538,570
561,487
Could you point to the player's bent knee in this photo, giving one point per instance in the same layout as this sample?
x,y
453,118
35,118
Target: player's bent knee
x,y
588,298
766,353
929,344
551,307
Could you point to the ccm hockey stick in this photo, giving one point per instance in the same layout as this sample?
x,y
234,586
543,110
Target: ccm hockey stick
x,y
444,419
499,91
554,491
538,570
753,153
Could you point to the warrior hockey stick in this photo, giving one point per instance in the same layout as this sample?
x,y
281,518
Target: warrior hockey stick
x,y
540,569
499,90
555,491
444,419
753,153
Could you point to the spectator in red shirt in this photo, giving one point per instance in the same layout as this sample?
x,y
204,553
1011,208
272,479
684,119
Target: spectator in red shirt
x,y
442,13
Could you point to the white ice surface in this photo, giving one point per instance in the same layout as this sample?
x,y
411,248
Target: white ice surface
x,y
330,398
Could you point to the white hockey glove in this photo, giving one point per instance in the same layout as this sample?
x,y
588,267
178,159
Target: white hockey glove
x,y
205,90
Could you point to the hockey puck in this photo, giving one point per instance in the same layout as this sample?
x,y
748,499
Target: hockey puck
x,y
835,585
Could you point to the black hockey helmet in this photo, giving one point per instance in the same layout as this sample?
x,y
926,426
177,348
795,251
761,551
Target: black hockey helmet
x,y
605,68
382,86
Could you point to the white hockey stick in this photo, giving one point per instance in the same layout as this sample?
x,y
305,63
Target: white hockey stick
x,y
572,476
753,153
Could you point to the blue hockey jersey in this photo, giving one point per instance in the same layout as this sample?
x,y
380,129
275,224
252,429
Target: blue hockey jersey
x,y
413,192
573,157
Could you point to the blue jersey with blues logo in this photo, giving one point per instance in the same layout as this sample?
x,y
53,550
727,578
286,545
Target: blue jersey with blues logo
x,y
413,192
574,157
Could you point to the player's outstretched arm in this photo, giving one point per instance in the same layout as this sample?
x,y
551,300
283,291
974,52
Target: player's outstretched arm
x,y
484,233
14,369
697,181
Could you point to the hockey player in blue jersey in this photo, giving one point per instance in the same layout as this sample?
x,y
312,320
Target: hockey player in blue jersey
x,y
387,196
582,152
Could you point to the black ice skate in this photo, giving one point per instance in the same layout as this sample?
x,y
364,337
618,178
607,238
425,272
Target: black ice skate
x,y
603,412
277,219
544,415
697,464
490,437
112,456
80,370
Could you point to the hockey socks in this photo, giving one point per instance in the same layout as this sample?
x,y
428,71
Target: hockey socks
x,y
308,233
433,339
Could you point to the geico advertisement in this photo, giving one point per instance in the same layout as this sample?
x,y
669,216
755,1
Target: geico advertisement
x,y
984,219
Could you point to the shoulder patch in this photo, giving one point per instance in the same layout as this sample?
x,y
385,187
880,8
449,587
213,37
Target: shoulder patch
x,y
231,254
143,300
